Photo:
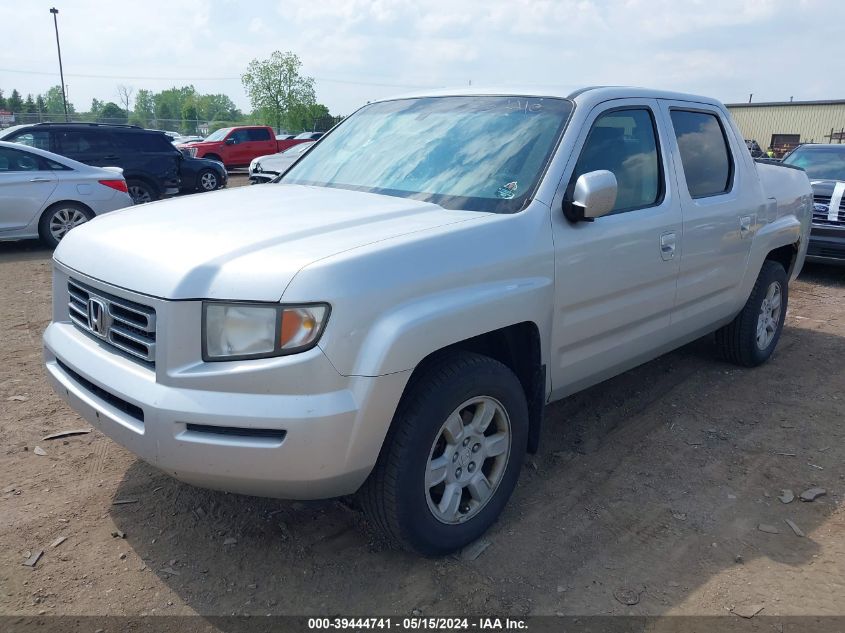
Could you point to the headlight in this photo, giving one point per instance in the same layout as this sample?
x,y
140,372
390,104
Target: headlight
x,y
192,151
236,331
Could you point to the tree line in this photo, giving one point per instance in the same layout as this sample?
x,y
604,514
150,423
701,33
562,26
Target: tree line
x,y
280,96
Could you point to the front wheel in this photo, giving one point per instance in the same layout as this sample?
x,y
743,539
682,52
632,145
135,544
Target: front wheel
x,y
207,180
452,457
750,339
61,218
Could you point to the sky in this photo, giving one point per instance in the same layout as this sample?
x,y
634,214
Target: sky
x,y
359,50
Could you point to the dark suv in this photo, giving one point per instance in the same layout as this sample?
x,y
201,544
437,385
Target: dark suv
x,y
151,164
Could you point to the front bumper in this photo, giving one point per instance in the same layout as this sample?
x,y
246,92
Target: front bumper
x,y
289,427
826,245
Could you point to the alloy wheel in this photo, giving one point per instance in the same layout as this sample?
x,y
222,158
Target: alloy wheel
x,y
769,318
64,219
468,460
140,194
208,181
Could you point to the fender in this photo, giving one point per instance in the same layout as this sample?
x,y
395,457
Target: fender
x,y
403,337
784,231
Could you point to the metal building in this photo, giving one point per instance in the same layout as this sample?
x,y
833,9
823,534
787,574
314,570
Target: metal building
x,y
784,124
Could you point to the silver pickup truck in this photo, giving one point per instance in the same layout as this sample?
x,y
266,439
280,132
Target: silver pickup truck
x,y
393,316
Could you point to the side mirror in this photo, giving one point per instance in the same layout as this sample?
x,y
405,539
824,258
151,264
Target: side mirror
x,y
594,196
231,140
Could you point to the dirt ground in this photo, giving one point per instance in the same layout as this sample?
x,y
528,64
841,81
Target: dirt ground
x,y
651,485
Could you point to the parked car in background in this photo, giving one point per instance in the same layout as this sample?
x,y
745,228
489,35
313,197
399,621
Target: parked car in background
x,y
754,148
149,161
182,140
265,168
45,195
285,137
237,146
309,136
825,166
392,318
201,174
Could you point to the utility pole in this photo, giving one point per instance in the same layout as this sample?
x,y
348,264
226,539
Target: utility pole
x,y
55,12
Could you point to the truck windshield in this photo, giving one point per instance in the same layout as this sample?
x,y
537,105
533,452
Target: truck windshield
x,y
472,153
822,163
219,135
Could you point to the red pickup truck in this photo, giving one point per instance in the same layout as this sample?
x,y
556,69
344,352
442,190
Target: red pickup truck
x,y
237,146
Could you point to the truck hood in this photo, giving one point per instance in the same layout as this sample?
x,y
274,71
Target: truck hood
x,y
240,244
824,187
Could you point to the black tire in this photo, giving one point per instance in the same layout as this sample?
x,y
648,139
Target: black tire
x,y
141,191
208,180
738,341
62,213
395,497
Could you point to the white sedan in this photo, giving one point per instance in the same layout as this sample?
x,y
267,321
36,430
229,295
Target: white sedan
x,y
265,168
45,195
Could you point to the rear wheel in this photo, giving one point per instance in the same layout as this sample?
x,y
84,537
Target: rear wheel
x,y
452,457
751,338
56,221
141,191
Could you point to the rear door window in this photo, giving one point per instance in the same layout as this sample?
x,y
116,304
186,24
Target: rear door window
x,y
259,134
12,160
705,156
144,143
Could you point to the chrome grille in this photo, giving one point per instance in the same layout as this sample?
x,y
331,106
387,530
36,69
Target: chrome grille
x,y
128,326
822,215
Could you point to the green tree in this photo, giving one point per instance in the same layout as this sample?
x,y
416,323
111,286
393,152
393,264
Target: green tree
x,y
53,103
96,107
14,102
276,86
2,100
144,112
168,104
40,106
217,107
189,118
307,118
112,113
29,105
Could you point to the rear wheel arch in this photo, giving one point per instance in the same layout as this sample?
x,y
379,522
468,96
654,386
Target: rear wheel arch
x,y
44,219
785,255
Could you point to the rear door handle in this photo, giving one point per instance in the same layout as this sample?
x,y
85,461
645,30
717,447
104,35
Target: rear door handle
x,y
667,246
40,180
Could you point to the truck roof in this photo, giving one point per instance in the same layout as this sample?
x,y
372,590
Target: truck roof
x,y
587,94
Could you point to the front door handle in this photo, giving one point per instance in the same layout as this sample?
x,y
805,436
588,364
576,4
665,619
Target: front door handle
x,y
667,246
40,180
745,226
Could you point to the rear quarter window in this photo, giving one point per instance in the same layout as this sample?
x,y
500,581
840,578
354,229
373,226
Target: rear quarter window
x,y
705,156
